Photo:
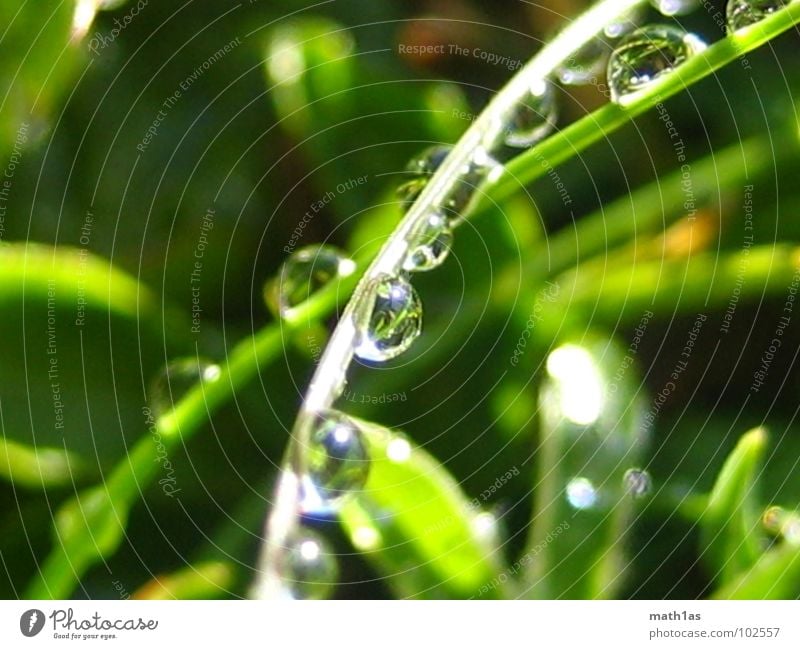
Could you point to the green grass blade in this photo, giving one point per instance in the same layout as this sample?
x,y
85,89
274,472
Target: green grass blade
x,y
776,575
730,525
415,525
38,467
591,434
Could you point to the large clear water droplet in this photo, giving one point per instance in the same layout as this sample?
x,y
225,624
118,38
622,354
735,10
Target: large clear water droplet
x,y
395,320
418,172
430,244
176,380
337,460
458,200
646,55
675,7
743,13
309,569
533,117
584,65
581,493
637,482
304,273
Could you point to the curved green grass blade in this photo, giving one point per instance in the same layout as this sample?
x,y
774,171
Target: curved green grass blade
x,y
413,522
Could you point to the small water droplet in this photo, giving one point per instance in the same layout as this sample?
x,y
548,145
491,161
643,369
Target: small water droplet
x,y
646,55
675,7
533,117
176,380
419,170
581,493
337,461
584,65
310,569
622,25
304,273
637,482
431,244
743,13
773,519
481,168
395,320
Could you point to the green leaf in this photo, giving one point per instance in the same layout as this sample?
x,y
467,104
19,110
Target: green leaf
x,y
413,522
730,524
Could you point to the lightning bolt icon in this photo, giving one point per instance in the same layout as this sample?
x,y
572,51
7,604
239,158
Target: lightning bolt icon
x,y
32,620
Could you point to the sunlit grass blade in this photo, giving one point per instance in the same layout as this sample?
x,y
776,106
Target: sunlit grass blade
x,y
592,433
413,522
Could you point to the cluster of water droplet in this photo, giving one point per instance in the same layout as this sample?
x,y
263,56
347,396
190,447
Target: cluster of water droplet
x,y
337,458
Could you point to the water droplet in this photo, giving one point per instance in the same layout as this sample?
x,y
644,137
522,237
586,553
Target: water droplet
x,y
307,271
782,522
584,65
637,482
646,55
418,172
176,380
431,244
743,13
773,519
309,569
533,117
395,320
481,168
581,493
337,460
622,25
675,7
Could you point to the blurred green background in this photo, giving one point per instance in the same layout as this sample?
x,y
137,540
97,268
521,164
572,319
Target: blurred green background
x,y
277,104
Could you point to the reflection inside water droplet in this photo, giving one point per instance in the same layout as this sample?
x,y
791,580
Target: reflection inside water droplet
x,y
395,321
458,200
585,65
637,482
532,117
743,13
430,244
645,56
309,569
337,461
418,172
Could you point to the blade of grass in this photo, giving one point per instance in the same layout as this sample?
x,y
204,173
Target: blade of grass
x,y
600,124
91,526
413,522
729,527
